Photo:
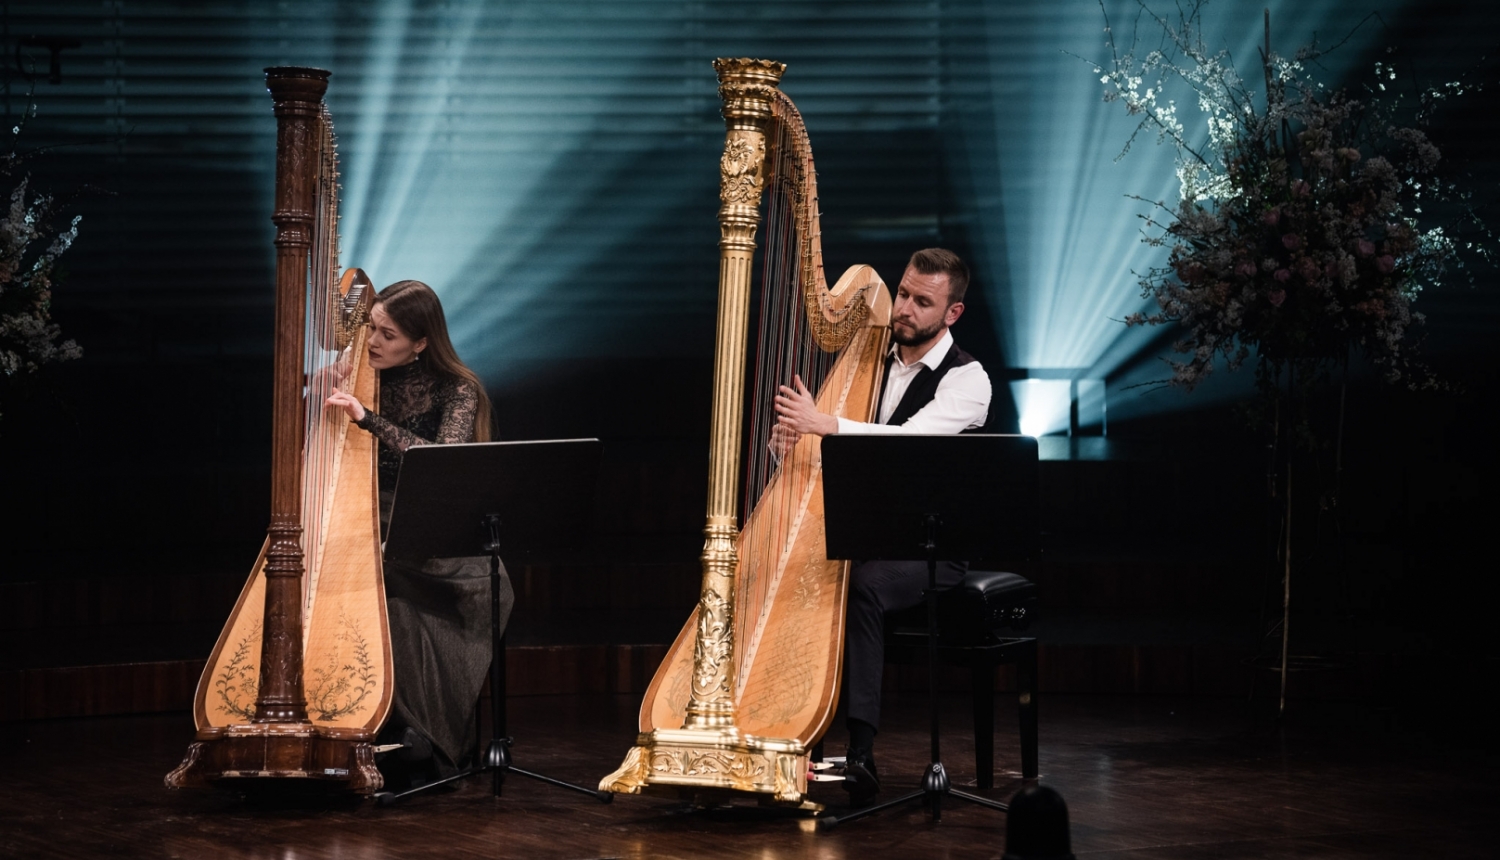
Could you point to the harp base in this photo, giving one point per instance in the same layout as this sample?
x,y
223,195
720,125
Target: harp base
x,y
715,765
251,756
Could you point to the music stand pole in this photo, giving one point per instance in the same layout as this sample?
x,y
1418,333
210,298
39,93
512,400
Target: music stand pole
x,y
453,484
935,780
497,756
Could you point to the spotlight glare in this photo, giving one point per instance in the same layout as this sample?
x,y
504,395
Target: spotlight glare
x,y
1042,405
1052,206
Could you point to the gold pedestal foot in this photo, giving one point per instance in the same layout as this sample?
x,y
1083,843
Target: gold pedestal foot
x,y
715,764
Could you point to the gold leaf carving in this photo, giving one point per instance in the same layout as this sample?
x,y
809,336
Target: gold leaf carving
x,y
688,762
740,169
713,646
629,777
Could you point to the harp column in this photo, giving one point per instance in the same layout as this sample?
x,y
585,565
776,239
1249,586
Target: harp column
x,y
297,94
746,87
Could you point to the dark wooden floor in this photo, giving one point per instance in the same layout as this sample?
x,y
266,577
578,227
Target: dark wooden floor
x,y
1143,777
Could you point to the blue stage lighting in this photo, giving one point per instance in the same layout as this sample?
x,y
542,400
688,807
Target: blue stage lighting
x,y
1042,404
1059,226
535,161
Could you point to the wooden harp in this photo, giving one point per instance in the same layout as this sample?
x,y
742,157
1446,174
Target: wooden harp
x,y
752,680
300,679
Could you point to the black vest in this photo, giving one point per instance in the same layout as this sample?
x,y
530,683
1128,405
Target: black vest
x,y
924,387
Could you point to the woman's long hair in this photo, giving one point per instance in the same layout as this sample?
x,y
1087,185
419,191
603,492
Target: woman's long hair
x,y
415,309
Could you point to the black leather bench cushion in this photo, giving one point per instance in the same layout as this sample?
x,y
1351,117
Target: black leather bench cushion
x,y
994,586
970,612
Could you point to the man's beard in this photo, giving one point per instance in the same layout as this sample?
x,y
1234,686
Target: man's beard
x,y
918,337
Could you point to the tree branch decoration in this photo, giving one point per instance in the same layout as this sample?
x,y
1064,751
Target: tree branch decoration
x,y
1309,219
30,243
239,682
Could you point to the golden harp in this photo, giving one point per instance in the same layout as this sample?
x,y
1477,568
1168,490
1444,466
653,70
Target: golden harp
x,y
752,680
300,679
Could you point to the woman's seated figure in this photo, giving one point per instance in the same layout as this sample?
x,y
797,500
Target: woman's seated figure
x,y
440,611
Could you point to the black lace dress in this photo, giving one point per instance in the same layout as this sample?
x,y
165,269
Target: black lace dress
x,y
439,612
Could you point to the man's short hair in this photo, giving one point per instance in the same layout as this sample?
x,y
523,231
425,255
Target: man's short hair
x,y
940,261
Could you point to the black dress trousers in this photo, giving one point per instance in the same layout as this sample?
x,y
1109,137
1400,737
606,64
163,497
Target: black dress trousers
x,y
876,588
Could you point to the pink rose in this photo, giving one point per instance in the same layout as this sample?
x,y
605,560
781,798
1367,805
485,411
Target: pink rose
x,y
1246,268
1292,241
1271,218
1276,297
1385,263
1283,275
1301,188
1366,247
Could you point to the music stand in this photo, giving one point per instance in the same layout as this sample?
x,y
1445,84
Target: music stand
x,y
531,502
925,498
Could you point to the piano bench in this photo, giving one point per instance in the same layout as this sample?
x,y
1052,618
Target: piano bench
x,y
973,619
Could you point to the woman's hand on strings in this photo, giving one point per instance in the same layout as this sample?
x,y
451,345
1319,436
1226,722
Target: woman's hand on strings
x,y
798,411
329,377
347,402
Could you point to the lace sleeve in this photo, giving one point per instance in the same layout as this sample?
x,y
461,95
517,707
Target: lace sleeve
x,y
460,405
457,406
389,434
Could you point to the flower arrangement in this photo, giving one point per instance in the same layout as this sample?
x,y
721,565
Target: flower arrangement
x,y
30,243
1307,222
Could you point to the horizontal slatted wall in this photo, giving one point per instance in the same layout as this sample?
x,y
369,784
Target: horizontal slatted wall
x,y
551,167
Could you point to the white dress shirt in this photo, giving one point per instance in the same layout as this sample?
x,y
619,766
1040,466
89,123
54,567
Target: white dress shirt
x,y
961,403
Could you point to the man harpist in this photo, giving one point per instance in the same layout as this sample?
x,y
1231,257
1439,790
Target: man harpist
x,y
931,387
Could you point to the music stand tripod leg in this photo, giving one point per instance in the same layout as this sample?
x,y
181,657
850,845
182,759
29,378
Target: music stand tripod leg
x,y
498,759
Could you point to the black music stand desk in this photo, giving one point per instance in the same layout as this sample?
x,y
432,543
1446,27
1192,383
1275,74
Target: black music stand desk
x,y
528,501
904,497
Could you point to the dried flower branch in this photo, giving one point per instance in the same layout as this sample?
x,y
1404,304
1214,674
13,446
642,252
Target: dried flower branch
x,y
1300,233
31,241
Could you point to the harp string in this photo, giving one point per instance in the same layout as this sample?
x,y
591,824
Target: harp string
x,y
325,364
784,348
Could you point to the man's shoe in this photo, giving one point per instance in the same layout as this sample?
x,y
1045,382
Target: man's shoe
x,y
860,778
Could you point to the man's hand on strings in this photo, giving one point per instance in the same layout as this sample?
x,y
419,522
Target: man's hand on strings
x,y
347,402
797,411
783,440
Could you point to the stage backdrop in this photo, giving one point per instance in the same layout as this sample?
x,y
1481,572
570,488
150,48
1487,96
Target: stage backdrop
x,y
551,169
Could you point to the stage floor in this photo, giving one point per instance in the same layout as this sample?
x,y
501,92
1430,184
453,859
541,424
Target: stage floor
x,y
1143,777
